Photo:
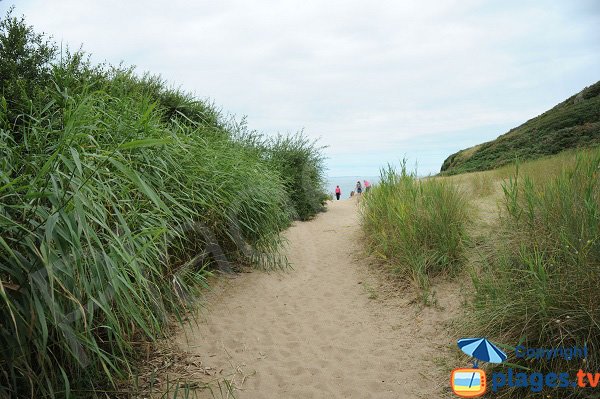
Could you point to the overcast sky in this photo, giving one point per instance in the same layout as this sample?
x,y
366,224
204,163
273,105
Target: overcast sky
x,y
374,80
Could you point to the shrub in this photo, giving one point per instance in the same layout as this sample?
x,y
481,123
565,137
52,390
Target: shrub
x,y
24,65
300,162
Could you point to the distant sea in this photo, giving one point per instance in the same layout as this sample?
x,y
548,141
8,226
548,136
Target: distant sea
x,y
348,183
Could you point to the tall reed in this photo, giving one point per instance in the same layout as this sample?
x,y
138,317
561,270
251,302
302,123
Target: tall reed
x,y
118,197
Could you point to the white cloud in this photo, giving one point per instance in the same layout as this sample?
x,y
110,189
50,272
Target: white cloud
x,y
366,76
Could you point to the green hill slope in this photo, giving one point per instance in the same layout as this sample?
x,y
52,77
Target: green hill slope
x,y
573,123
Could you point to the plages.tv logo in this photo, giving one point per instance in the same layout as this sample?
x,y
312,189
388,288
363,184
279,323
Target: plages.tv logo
x,y
471,382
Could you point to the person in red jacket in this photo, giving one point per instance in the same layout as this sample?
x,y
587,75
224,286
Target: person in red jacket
x,y
338,192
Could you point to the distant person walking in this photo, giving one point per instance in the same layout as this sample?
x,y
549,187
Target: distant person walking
x,y
358,187
367,185
338,192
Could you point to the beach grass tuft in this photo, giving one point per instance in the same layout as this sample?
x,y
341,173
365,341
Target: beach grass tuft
x,y
539,285
417,226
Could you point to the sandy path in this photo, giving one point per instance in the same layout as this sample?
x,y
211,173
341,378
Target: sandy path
x,y
329,328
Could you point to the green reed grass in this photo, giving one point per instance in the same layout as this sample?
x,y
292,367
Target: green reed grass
x,y
99,212
417,226
540,286
118,197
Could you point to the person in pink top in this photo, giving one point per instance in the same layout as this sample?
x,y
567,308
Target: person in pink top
x,y
338,192
367,185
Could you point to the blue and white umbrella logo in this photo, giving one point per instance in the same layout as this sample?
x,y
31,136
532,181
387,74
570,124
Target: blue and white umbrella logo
x,y
481,349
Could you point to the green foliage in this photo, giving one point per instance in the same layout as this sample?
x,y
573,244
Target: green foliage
x,y
118,197
573,123
417,226
541,285
24,65
175,103
300,161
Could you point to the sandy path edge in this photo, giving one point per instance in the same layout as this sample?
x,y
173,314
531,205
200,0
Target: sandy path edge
x,y
329,328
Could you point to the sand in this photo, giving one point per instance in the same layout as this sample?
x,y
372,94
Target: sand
x,y
332,327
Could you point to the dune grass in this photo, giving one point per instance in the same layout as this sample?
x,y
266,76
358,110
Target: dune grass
x,y
417,226
537,268
539,286
118,197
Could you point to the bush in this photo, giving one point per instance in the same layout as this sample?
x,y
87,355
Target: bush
x,y
300,161
24,65
417,226
541,286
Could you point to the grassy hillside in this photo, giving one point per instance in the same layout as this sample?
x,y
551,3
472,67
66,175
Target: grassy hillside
x,y
118,197
573,123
